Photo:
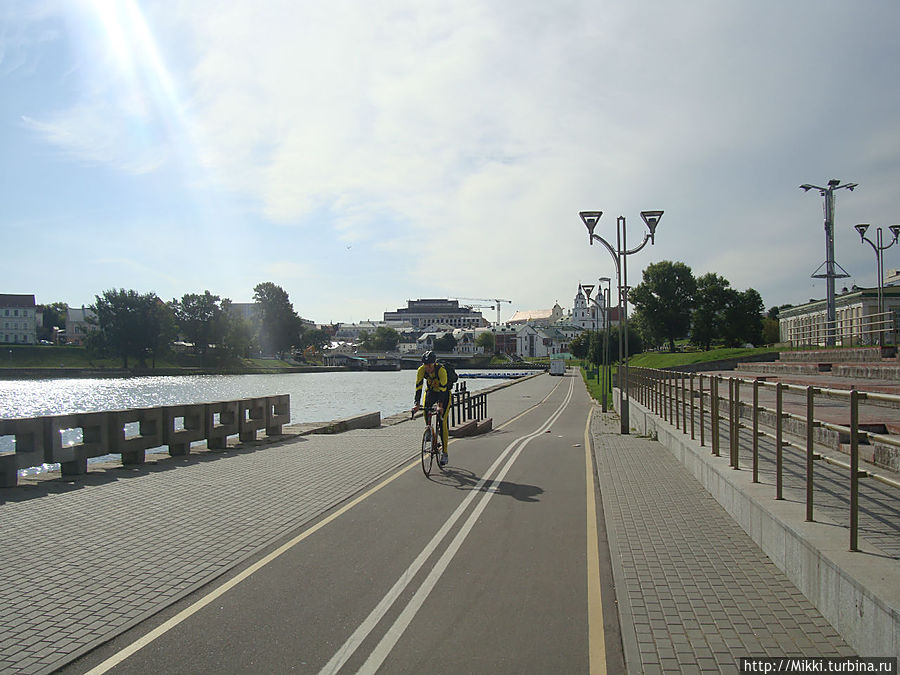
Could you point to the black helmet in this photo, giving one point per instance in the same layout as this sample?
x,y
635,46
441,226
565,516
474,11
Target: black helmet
x,y
428,357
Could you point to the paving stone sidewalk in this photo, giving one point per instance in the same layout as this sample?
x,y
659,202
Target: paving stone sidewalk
x,y
695,593
83,563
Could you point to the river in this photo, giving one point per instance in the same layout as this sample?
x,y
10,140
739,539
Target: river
x,y
315,397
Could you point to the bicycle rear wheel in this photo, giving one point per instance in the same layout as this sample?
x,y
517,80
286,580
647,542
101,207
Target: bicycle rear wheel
x,y
427,453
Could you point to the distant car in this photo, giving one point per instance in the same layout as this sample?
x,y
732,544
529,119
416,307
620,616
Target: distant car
x,y
557,367
46,342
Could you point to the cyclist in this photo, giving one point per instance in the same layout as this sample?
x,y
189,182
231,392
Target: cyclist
x,y
435,375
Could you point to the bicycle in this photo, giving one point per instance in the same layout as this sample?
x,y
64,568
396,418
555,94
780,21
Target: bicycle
x,y
431,439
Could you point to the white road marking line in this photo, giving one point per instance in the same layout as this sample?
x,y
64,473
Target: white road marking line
x,y
387,643
186,613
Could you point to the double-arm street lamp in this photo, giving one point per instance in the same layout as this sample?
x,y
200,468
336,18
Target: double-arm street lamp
x,y
605,293
620,256
879,265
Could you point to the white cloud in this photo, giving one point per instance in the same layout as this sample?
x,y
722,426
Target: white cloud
x,y
470,134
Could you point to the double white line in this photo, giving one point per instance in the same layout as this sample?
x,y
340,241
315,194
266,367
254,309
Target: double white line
x,y
387,643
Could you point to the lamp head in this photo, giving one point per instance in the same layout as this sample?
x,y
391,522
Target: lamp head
x,y
895,230
651,219
850,186
834,182
861,228
590,218
806,187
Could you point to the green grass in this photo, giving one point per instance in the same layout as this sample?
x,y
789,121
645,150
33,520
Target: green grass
x,y
593,386
668,360
51,356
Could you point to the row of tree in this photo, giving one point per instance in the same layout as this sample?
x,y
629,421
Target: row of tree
x,y
670,304
142,326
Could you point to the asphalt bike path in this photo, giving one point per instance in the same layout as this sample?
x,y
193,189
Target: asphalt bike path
x,y
489,565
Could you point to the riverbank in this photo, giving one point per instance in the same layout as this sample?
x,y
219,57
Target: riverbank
x,y
50,373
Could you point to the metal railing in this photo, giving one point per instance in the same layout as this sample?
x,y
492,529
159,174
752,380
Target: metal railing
x,y
691,402
465,406
870,329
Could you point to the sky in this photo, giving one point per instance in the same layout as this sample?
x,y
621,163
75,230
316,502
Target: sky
x,y
360,154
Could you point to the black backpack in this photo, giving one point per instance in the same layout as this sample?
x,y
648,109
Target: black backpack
x,y
452,377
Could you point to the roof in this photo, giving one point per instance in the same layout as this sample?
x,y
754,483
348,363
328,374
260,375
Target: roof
x,y
532,315
14,300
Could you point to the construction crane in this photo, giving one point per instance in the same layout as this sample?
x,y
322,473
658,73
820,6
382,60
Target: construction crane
x,y
495,304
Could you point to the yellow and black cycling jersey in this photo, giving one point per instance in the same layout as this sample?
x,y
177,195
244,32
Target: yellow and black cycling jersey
x,y
436,382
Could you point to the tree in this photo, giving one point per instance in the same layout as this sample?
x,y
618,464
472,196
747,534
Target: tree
x,y
132,324
710,302
200,319
647,331
280,326
486,341
445,343
316,339
239,337
664,298
770,331
54,317
580,345
385,339
743,318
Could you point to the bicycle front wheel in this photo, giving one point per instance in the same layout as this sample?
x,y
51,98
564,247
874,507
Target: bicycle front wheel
x,y
427,454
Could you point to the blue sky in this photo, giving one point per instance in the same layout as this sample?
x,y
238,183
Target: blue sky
x,y
360,154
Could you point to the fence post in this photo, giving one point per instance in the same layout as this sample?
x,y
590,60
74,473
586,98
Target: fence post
x,y
810,425
779,446
714,413
702,426
692,406
854,469
676,385
731,422
756,430
736,456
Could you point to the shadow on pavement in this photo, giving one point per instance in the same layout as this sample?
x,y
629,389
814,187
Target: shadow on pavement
x,y
463,479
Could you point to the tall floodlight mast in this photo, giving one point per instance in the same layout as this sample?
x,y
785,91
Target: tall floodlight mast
x,y
830,274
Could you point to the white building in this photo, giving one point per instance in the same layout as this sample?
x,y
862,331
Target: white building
x,y
17,314
856,319
79,322
540,342
423,314
588,315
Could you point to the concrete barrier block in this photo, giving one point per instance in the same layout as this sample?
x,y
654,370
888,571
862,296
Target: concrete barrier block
x,y
150,433
194,427
221,421
465,429
251,418
29,441
484,426
73,457
366,421
278,413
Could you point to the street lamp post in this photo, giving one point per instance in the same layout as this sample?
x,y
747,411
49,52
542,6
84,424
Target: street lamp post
x,y
620,257
830,275
606,292
880,248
